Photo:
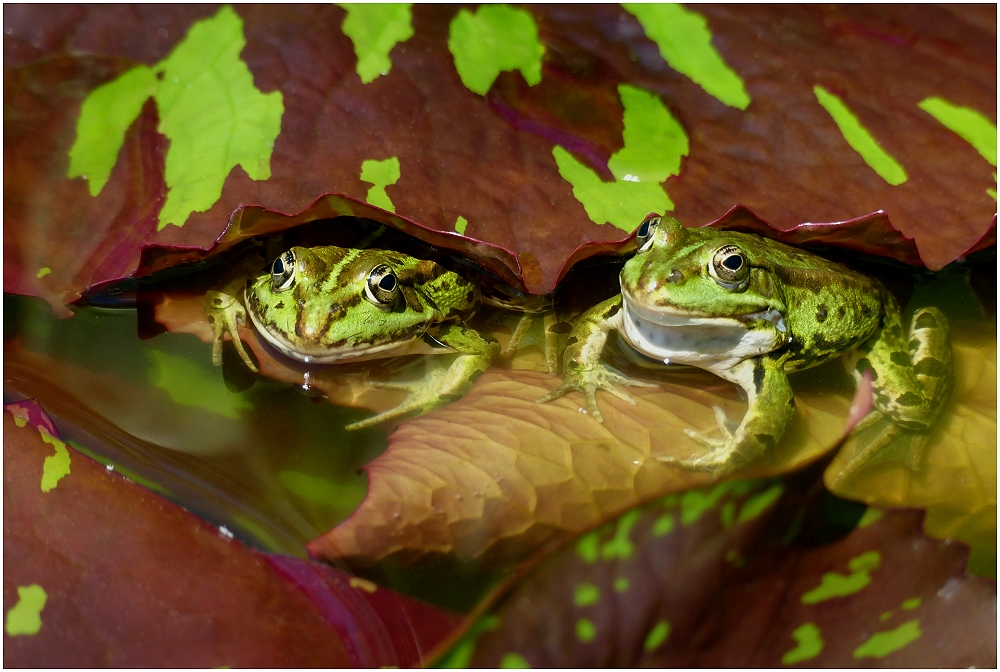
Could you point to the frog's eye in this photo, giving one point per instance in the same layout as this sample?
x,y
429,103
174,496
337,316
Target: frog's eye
x,y
729,267
644,234
283,271
382,287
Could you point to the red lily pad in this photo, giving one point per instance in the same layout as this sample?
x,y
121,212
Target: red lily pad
x,y
721,578
100,571
489,159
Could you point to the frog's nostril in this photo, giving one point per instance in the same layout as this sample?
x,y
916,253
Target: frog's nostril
x,y
675,276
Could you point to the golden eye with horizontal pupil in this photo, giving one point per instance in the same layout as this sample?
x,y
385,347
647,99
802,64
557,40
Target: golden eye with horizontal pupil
x,y
382,288
283,271
644,234
729,267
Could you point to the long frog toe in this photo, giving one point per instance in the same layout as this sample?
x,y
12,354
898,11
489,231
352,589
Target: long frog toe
x,y
226,314
718,462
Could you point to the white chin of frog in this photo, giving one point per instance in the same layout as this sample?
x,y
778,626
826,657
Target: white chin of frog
x,y
713,343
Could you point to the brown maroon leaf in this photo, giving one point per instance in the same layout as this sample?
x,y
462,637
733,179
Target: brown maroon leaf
x,y
784,158
488,159
129,579
710,579
495,475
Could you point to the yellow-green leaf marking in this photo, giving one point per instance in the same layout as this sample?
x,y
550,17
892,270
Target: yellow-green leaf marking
x,y
759,503
209,108
971,125
494,39
810,644
514,661
837,585
380,174
106,114
685,43
881,644
620,545
657,636
585,630
654,144
375,28
860,140
25,617
55,466
586,594
213,115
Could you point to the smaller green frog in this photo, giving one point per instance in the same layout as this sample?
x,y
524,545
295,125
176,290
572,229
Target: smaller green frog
x,y
333,304
750,310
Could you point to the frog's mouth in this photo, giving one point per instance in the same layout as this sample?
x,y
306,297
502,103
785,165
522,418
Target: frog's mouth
x,y
705,342
352,352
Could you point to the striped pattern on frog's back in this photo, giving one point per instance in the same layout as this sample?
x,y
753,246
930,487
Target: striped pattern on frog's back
x,y
326,312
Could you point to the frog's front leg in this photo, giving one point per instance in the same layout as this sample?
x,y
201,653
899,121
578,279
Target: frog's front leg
x,y
442,386
226,314
583,370
770,408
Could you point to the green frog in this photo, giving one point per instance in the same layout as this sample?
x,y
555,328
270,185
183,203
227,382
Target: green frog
x,y
333,304
750,310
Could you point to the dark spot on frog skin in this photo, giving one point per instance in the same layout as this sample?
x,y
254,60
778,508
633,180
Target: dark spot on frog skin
x,y
765,440
865,365
909,399
611,311
821,313
821,346
913,344
791,402
211,319
217,301
867,311
900,359
841,311
561,328
470,296
925,321
336,311
930,367
280,305
571,340
895,331
758,376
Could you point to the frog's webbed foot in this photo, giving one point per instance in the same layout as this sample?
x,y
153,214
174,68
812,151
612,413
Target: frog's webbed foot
x,y
439,386
422,398
590,379
719,459
880,440
226,314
